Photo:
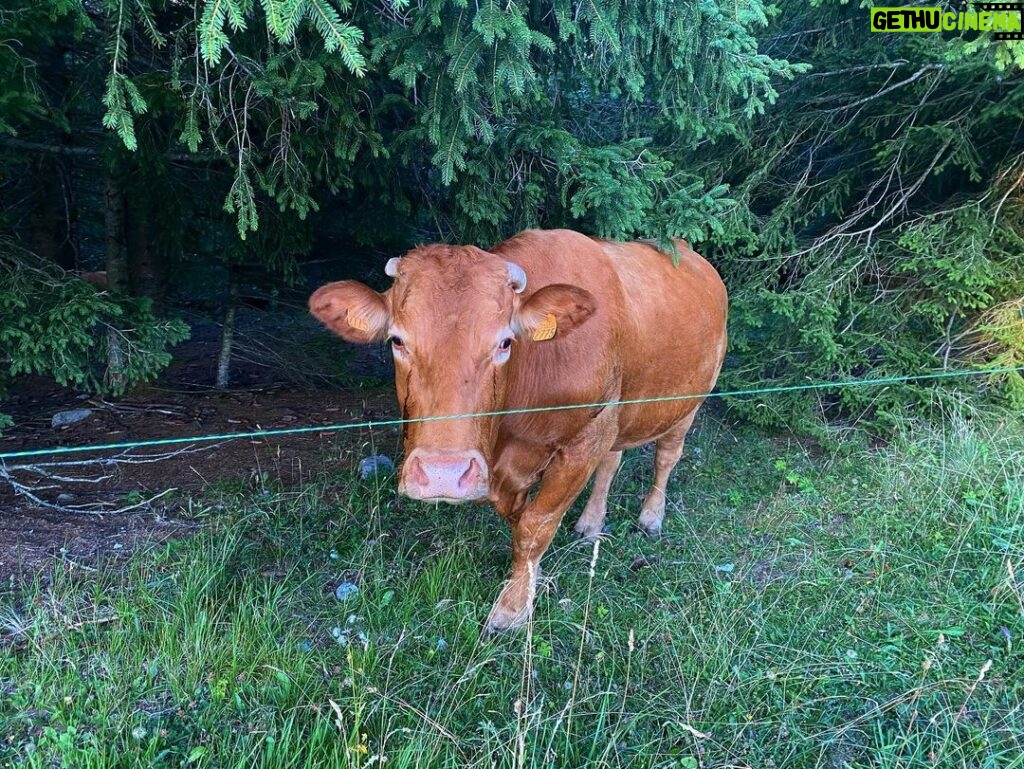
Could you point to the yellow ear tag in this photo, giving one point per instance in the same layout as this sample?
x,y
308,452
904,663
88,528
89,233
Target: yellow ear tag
x,y
360,324
546,329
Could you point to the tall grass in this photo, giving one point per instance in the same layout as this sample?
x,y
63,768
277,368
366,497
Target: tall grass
x,y
853,607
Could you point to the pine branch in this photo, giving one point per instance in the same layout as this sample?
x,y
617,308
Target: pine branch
x,y
212,37
337,35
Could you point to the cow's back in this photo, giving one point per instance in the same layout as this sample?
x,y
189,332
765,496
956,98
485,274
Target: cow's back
x,y
673,342
659,329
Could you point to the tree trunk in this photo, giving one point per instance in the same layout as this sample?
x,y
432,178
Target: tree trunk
x,y
117,278
228,332
146,270
48,222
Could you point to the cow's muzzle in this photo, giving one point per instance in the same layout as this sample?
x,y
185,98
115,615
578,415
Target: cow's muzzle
x,y
444,476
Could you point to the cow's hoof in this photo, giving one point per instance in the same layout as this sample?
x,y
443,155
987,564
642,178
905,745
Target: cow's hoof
x,y
588,529
650,522
501,619
512,609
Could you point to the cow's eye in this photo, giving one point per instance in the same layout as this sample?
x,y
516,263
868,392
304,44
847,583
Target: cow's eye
x,y
396,341
504,351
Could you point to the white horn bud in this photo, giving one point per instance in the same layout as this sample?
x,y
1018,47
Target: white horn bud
x,y
391,268
516,277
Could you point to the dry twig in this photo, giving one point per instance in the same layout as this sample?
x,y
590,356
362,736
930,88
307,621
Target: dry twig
x,y
28,480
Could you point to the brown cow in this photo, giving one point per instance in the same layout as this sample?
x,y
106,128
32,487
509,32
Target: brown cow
x,y
545,319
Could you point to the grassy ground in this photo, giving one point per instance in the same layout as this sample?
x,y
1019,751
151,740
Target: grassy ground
x,y
844,609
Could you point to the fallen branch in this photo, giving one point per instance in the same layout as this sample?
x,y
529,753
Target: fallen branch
x,y
52,476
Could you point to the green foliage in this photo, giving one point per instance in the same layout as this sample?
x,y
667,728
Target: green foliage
x,y
486,93
123,101
996,340
879,215
596,131
282,19
475,106
27,24
859,192
303,104
54,325
242,202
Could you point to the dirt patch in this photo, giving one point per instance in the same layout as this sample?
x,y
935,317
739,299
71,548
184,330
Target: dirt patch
x,y
33,536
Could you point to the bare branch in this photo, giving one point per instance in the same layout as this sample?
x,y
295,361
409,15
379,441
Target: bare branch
x,y
104,468
889,89
76,150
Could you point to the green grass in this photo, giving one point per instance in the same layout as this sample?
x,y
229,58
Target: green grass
x,y
852,608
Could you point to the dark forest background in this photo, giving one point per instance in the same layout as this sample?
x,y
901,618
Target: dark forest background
x,y
861,193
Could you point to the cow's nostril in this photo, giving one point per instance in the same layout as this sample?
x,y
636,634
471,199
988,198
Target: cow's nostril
x,y
471,475
416,474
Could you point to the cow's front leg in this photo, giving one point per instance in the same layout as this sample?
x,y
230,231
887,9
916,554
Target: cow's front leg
x,y
533,528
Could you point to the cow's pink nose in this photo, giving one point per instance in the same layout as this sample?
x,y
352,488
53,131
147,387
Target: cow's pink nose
x,y
449,476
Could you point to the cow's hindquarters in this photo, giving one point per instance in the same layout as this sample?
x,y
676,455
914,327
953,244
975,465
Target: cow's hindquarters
x,y
672,338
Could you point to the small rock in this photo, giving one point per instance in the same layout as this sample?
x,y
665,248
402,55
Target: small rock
x,y
640,562
305,645
375,464
725,568
65,498
441,644
65,418
345,590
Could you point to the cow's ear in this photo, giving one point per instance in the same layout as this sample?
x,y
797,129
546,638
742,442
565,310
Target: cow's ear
x,y
552,311
351,310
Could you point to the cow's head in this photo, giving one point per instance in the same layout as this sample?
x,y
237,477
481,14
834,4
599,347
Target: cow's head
x,y
456,318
